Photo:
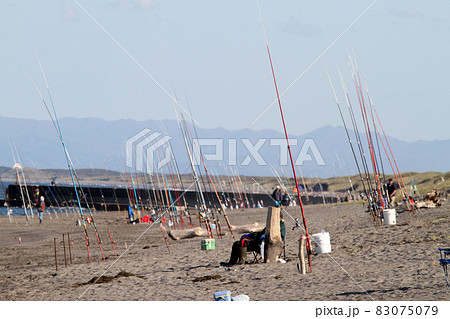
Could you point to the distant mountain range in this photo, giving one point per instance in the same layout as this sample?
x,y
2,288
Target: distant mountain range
x,y
96,143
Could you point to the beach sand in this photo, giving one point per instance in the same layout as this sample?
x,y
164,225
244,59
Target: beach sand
x,y
398,262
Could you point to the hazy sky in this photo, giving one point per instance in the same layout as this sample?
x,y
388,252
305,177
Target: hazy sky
x,y
213,54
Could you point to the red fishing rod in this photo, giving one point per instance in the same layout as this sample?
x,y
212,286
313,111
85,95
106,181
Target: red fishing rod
x,y
372,211
308,243
393,158
362,105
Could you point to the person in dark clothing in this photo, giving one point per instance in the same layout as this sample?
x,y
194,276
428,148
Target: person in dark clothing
x,y
277,196
250,242
391,192
286,200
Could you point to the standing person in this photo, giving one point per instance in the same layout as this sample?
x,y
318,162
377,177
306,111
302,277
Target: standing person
x,y
391,192
277,196
40,205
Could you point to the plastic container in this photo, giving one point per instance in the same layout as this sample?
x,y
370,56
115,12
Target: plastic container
x,y
322,242
222,296
240,298
208,244
389,217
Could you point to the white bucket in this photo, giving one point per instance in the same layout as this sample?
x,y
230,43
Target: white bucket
x,y
389,217
322,242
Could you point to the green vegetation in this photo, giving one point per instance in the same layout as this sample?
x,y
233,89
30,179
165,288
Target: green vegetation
x,y
425,182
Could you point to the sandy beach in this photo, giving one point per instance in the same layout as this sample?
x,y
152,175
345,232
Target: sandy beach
x,y
398,262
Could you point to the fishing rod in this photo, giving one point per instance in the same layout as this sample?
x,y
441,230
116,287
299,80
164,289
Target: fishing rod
x,y
219,182
170,203
369,198
238,188
362,155
288,180
19,181
410,207
30,204
63,201
180,179
352,188
149,195
208,196
243,187
175,188
357,83
203,209
248,193
230,186
73,176
321,190
308,243
303,181
212,184
374,209
37,193
377,140
6,200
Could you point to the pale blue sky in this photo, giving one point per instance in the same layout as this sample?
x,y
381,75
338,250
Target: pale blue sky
x,y
213,53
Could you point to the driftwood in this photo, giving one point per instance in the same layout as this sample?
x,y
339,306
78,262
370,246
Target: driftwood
x,y
425,204
255,227
273,245
301,266
177,234
431,200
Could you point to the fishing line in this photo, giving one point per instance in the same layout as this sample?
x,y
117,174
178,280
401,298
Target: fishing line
x,y
316,60
131,57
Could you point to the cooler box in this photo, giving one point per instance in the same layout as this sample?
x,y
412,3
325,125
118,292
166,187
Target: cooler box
x,y
208,244
222,296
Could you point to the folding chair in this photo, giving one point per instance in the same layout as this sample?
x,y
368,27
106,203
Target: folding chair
x,y
445,260
257,258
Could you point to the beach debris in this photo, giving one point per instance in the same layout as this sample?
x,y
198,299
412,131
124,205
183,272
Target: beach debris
x,y
177,234
240,298
20,240
208,244
222,295
431,200
105,279
243,229
206,278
